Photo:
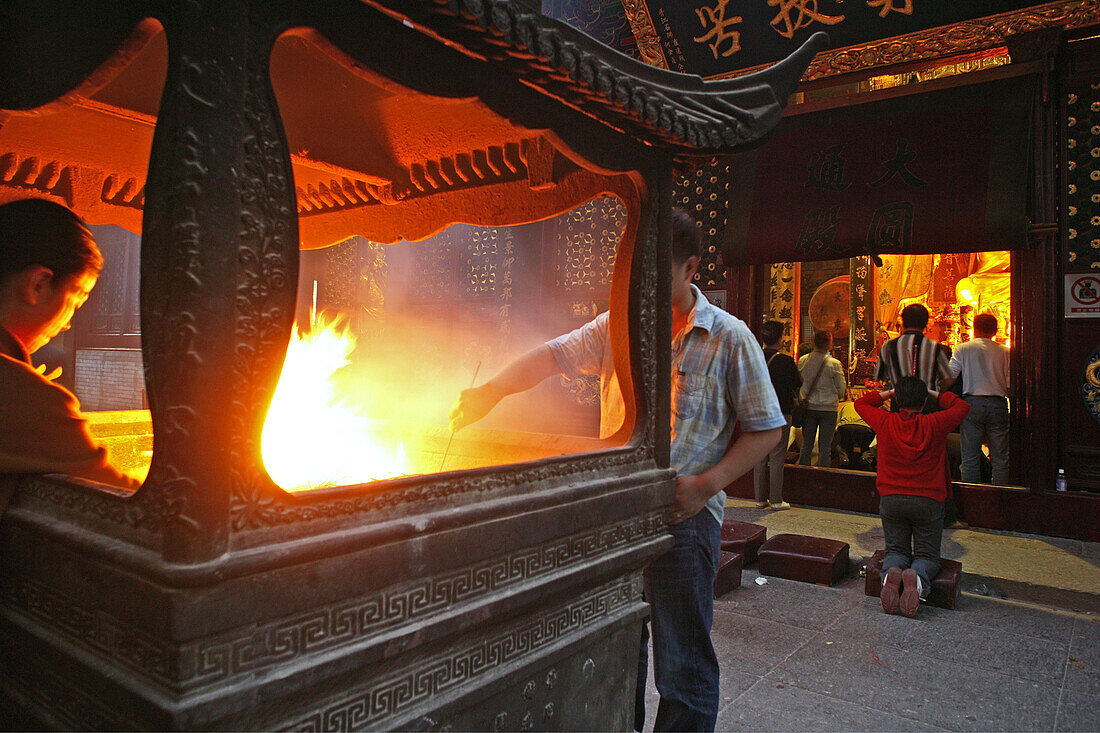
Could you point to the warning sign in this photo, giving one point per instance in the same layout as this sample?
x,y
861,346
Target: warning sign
x,y
1083,296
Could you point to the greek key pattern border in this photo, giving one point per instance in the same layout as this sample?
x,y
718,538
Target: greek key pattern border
x,y
324,629
89,628
400,691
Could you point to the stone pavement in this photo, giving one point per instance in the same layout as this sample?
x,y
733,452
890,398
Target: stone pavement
x,y
1046,570
796,656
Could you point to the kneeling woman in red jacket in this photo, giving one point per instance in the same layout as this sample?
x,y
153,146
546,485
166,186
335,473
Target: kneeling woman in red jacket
x,y
912,482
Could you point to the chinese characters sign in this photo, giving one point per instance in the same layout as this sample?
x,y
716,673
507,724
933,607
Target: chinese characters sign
x,y
861,315
935,172
711,37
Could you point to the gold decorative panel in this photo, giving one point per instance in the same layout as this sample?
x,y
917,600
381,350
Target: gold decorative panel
x,y
1081,151
592,233
704,193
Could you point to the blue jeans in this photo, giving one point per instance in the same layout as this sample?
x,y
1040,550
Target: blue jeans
x,y
679,586
819,425
913,526
987,423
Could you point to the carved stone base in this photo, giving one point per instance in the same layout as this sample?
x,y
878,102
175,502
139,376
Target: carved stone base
x,y
444,627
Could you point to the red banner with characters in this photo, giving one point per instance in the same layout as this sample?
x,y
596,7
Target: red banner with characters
x,y
943,171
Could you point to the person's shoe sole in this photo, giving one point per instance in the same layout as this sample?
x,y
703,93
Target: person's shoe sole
x,y
890,590
910,595
780,506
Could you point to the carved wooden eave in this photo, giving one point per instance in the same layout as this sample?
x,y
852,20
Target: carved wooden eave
x,y
362,142
953,40
379,159
104,183
683,113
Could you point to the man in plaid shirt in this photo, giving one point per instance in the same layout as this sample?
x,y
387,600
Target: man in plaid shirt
x,y
718,378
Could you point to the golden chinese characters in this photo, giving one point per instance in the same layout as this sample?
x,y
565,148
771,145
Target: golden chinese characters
x,y
807,13
715,19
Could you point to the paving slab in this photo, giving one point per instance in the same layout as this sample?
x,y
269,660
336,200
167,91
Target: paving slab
x,y
768,706
905,683
1024,619
804,605
754,646
998,650
1077,712
1085,643
797,656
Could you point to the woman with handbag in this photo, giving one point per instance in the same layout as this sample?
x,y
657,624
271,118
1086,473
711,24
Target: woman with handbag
x,y
824,376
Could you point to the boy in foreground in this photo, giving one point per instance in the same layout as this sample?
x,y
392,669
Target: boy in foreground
x,y
913,483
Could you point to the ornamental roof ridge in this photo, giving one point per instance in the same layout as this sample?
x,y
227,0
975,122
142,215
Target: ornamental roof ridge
x,y
664,108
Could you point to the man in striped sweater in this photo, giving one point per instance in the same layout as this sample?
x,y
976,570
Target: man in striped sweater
x,y
913,355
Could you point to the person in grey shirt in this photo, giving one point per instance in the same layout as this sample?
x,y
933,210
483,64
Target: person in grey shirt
x,y
823,394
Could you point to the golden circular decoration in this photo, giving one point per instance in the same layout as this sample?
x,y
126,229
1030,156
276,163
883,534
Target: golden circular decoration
x,y
829,307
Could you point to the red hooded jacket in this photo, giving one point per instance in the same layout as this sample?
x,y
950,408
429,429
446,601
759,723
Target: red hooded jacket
x,y
912,449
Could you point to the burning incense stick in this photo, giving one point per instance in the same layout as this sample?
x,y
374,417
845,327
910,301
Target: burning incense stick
x,y
448,448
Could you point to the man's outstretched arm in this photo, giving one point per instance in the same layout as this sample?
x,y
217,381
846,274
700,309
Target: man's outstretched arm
x,y
519,375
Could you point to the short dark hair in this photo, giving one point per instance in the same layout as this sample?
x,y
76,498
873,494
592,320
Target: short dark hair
x,y
914,315
822,339
687,240
771,332
910,393
40,232
985,323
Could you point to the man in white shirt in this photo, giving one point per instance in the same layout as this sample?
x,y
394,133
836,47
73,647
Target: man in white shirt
x,y
983,364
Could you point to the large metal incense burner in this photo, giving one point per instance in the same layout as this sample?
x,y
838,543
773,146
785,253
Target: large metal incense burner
x,y
502,597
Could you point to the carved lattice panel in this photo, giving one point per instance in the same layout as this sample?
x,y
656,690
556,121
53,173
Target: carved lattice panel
x,y
480,262
112,308
434,266
338,287
460,262
590,238
704,193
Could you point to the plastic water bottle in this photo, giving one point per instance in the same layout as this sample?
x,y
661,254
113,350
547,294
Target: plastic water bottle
x,y
1060,482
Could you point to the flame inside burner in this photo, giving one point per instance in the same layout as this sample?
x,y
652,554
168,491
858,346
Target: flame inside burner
x,y
313,437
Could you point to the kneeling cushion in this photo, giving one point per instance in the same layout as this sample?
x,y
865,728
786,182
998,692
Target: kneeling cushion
x,y
744,538
808,559
945,586
729,573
